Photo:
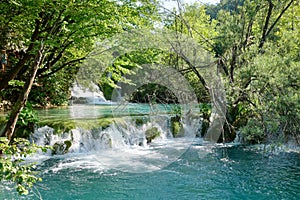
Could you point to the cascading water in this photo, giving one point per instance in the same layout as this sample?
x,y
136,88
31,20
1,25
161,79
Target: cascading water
x,y
100,163
82,95
117,135
121,145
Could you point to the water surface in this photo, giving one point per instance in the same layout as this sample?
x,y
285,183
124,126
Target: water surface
x,y
200,173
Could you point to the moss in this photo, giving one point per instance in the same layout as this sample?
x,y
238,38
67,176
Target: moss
x,y
68,144
141,120
106,122
61,126
151,134
61,147
177,127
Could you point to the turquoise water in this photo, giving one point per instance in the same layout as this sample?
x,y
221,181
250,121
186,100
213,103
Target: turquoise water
x,y
108,110
166,169
200,173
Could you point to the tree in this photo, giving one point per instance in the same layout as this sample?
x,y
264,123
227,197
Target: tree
x,y
241,35
248,37
59,35
47,40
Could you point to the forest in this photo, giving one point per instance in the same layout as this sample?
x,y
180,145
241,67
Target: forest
x,y
254,47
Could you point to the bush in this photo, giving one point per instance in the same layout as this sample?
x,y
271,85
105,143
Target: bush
x,y
27,119
253,132
12,168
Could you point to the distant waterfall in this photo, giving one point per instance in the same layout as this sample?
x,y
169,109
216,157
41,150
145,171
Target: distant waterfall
x,y
82,95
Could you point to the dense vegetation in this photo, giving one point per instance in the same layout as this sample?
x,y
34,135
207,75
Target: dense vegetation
x,y
255,43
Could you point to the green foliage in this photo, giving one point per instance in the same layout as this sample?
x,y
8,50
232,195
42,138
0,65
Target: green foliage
x,y
55,90
278,94
270,99
177,127
153,93
196,23
205,110
27,119
27,116
16,83
26,122
253,132
201,94
68,31
12,167
126,65
261,80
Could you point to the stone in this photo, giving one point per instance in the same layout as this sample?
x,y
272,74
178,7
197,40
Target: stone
x,y
151,134
60,148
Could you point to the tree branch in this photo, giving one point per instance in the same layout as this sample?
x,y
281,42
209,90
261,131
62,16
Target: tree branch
x,y
265,29
70,63
278,18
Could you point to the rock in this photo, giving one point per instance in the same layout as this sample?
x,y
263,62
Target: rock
x,y
68,144
139,121
177,127
60,148
151,134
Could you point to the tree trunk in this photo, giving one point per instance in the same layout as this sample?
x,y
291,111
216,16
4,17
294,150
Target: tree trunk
x,y
28,55
19,105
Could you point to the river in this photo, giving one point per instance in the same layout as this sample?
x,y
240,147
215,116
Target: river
x,y
167,168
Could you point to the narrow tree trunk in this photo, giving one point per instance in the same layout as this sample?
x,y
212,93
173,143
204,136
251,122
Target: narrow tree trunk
x,y
15,70
23,97
267,30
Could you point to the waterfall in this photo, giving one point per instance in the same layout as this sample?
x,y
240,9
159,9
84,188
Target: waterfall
x,y
82,95
127,133
132,144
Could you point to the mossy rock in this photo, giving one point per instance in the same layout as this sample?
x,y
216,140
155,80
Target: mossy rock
x,y
89,124
62,126
151,134
68,144
177,127
204,127
61,147
141,121
105,122
59,126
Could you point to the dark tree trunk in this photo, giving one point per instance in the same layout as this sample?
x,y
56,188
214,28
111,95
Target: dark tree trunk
x,y
23,97
267,30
